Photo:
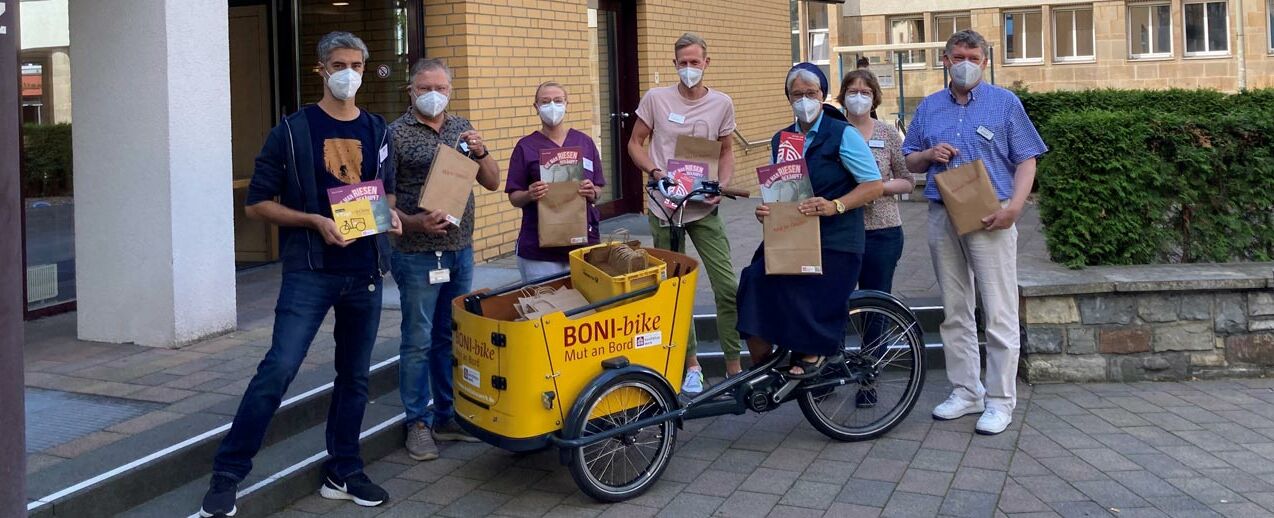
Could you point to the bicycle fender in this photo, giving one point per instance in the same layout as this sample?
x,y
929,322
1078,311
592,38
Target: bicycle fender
x,y
577,408
881,297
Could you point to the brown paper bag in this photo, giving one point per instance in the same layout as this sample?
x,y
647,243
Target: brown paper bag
x,y
563,216
697,149
449,183
545,302
968,196
793,244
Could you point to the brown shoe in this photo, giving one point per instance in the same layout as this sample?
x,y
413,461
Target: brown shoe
x,y
451,431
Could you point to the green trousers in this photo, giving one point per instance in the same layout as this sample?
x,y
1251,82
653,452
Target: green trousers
x,y
713,245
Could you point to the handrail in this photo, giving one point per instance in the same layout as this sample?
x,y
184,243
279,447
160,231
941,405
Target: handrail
x,y
748,145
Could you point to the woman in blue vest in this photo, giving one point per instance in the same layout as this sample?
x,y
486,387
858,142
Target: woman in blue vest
x,y
808,313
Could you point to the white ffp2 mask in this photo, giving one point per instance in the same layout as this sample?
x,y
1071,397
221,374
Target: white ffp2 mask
x,y
431,104
344,83
807,110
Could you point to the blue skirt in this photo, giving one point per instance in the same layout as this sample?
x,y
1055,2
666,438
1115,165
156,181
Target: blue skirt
x,y
807,314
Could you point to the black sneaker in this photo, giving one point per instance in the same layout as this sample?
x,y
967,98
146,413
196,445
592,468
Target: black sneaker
x,y
219,500
356,487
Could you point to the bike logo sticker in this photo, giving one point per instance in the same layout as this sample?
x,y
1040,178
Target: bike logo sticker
x,y
471,376
651,339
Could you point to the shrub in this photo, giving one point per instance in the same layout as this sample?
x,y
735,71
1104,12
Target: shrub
x,y
1135,187
46,166
1043,106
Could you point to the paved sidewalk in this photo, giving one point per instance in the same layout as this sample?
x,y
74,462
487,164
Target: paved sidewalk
x,y
1149,449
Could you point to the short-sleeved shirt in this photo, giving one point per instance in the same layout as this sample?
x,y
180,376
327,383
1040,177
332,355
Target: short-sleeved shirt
x,y
886,146
992,127
344,154
671,115
524,170
416,144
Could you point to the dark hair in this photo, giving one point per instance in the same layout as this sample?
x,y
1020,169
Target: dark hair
x,y
868,79
863,62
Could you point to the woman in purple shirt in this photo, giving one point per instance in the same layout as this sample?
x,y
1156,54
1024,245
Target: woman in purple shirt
x,y
524,186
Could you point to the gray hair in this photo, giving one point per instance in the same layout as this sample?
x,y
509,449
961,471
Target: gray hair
x,y
339,40
689,39
427,64
966,38
803,75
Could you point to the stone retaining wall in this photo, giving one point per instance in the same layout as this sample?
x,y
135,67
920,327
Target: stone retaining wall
x,y
1161,322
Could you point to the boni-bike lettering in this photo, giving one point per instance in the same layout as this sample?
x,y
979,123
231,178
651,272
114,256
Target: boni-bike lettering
x,y
613,328
473,346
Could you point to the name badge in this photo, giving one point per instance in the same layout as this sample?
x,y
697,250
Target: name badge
x,y
439,276
677,118
986,133
588,165
876,144
384,153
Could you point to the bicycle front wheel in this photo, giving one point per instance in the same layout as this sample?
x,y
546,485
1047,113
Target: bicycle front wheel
x,y
626,465
883,371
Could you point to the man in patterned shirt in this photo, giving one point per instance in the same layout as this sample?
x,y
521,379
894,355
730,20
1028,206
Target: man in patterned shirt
x,y
433,260
969,121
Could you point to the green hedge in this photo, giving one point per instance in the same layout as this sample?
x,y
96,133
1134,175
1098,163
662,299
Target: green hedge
x,y
46,167
1043,106
1140,188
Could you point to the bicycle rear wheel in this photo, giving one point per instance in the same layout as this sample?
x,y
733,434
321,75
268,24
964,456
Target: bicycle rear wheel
x,y
883,371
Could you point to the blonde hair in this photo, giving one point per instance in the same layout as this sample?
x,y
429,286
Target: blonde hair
x,y
547,84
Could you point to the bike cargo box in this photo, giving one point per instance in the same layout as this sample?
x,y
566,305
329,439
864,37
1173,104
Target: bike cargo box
x,y
515,381
597,285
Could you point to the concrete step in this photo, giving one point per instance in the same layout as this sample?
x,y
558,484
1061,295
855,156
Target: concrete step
x,y
134,477
287,470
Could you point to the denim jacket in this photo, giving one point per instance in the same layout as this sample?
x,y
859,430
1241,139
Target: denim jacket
x,y
285,169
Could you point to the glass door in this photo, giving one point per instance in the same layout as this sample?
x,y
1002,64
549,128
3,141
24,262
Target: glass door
x,y
613,68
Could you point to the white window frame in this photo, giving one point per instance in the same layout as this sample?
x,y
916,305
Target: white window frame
x,y
1186,36
797,31
1004,25
937,58
810,32
1269,29
890,32
1075,35
1132,54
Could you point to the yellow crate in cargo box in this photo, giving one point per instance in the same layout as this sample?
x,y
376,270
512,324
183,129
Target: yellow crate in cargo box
x,y
596,284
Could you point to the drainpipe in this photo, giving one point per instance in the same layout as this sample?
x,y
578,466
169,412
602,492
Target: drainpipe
x,y
1242,50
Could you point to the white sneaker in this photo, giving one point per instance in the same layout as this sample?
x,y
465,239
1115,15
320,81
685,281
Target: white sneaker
x,y
694,381
994,420
956,407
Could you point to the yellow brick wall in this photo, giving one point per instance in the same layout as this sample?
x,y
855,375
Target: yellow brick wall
x,y
501,49
1112,67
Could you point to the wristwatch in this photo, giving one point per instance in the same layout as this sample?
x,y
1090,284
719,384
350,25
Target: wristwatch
x,y
485,153
652,172
840,207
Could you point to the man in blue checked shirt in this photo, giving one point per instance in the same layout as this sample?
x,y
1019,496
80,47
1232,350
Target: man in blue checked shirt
x,y
968,121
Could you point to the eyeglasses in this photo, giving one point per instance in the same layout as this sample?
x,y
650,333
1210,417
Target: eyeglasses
x,y
865,93
810,94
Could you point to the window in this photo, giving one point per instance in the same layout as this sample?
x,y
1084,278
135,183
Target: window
x,y
796,32
1073,38
1207,28
944,25
819,49
1270,28
908,30
1150,31
1023,37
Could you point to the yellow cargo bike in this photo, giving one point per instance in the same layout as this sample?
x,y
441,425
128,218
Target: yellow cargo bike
x,y
600,381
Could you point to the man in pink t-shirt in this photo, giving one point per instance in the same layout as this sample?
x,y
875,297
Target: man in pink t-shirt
x,y
690,108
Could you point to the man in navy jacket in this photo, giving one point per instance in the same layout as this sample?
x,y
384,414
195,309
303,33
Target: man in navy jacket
x,y
326,145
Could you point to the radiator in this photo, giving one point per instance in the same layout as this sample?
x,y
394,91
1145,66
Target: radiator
x,y
42,282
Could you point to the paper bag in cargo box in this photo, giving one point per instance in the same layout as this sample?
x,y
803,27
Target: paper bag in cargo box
x,y
793,245
563,216
968,196
449,183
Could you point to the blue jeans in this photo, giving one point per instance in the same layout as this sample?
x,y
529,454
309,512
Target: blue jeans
x,y
304,300
425,356
880,259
